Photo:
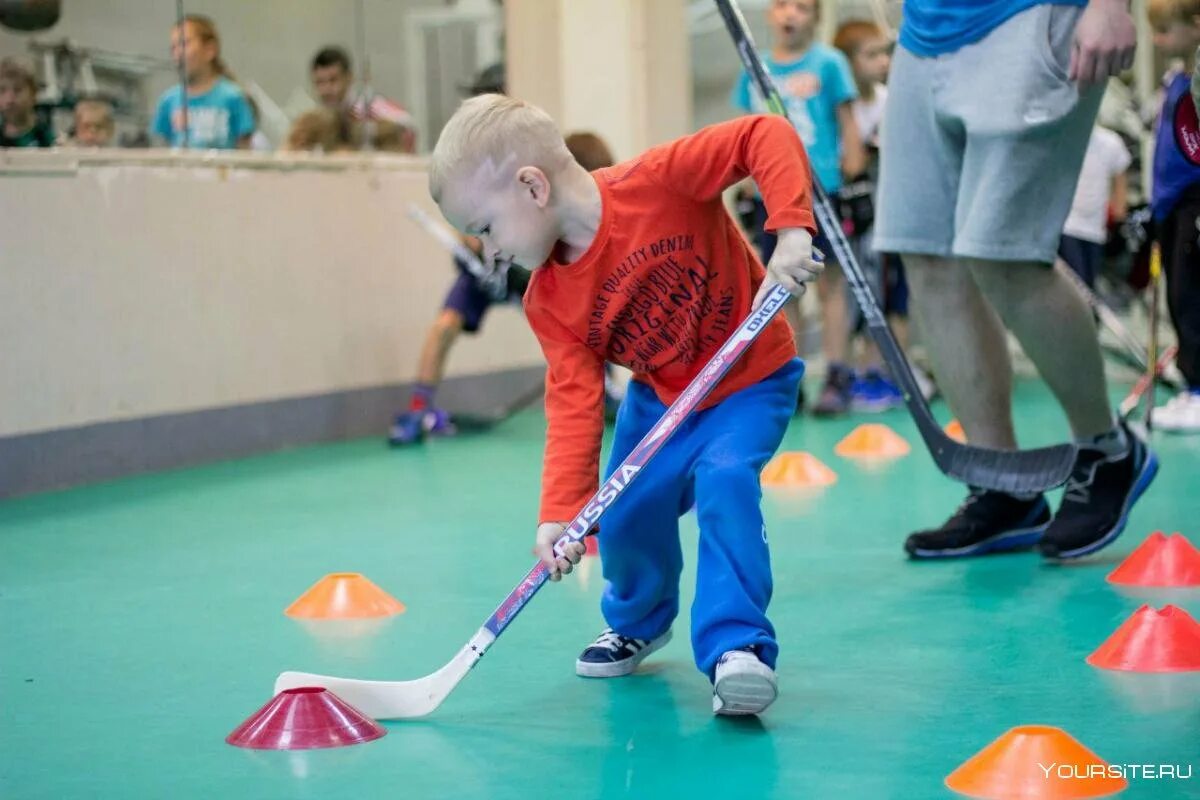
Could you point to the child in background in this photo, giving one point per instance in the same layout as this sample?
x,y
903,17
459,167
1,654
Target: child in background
x,y
218,116
868,51
1175,204
323,130
640,264
1099,196
94,126
19,123
463,311
333,78
818,89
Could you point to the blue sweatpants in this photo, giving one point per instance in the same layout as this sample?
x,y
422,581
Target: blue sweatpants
x,y
715,459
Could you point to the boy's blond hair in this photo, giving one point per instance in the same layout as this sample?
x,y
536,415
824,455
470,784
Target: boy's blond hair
x,y
1163,12
495,128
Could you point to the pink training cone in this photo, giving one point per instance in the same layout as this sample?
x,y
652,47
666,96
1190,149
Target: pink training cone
x,y
305,718
1152,640
1160,561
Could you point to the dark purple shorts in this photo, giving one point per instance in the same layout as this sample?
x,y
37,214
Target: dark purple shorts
x,y
468,299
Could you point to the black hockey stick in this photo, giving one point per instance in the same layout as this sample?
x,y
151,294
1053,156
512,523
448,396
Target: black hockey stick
x,y
1005,471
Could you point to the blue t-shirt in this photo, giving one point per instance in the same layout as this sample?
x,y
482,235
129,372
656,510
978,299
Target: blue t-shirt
x,y
936,27
216,119
1173,173
812,87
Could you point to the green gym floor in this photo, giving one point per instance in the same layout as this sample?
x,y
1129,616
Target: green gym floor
x,y
142,620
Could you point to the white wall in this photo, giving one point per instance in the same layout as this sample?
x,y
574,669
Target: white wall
x,y
144,282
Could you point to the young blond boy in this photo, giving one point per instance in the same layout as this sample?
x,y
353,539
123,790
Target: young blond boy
x,y
641,265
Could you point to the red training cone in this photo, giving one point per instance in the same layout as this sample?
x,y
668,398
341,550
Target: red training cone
x,y
305,719
1160,561
1152,641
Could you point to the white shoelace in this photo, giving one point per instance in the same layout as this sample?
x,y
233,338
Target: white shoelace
x,y
611,640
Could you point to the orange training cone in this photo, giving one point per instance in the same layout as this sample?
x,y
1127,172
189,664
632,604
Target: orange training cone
x,y
344,595
1152,640
1034,762
872,441
954,430
797,470
1160,561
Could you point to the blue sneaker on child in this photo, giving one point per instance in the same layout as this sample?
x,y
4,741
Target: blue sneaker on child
x,y
874,393
412,426
408,428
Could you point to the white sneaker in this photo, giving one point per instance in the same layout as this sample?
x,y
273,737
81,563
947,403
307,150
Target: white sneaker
x,y
1180,414
743,684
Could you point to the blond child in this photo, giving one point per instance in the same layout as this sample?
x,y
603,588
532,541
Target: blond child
x,y
640,264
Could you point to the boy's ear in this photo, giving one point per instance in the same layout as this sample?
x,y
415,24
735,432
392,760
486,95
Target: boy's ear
x,y
534,184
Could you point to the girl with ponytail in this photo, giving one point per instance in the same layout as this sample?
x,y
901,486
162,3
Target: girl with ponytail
x,y
218,115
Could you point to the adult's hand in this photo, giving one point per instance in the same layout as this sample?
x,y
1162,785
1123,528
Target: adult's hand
x,y
1104,42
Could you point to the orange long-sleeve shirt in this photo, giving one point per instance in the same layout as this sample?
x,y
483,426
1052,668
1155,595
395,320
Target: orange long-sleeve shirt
x,y
663,285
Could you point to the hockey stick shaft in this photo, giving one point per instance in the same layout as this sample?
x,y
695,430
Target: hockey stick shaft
x,y
1152,357
1131,401
1015,471
449,241
1108,317
687,402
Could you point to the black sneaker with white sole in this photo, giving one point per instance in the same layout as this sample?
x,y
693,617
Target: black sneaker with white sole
x,y
986,522
1099,495
613,655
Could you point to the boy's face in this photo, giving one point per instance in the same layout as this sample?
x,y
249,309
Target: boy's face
x,y
792,21
92,127
331,84
511,216
872,61
1177,39
16,99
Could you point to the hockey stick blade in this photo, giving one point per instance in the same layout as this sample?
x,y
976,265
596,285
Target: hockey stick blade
x,y
396,699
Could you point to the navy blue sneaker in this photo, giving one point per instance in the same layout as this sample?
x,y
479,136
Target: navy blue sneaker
x,y
986,522
613,655
1099,495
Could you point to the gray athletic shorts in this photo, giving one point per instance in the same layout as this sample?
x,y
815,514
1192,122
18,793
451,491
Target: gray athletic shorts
x,y
982,147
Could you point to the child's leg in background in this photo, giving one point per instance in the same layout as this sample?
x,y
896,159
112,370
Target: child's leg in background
x,y
639,535
1084,258
462,311
835,334
1180,247
729,445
